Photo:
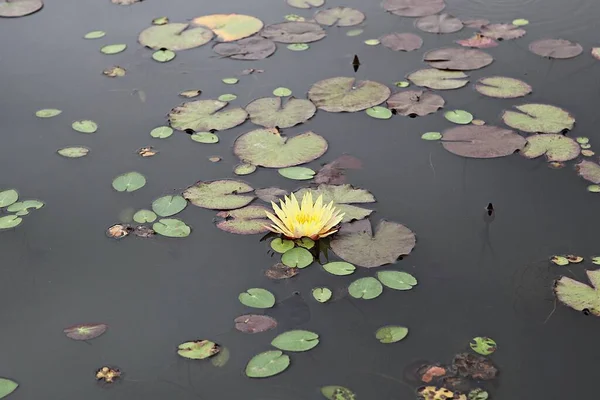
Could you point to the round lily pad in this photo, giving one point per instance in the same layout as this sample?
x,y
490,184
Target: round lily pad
x,y
282,92
167,206
73,152
346,94
397,280
113,48
483,345
431,136
85,331
339,16
129,182
227,97
340,268
254,323
191,93
322,294
206,115
578,295
23,207
161,132
401,41
19,8
391,334
282,245
413,8
205,137
555,147
252,48
248,220
244,169
379,112
439,23
589,171
540,118
144,216
174,37
298,46
198,350
559,260
502,31
365,288
230,27
520,22
486,141
8,197
502,87
582,140
296,340
305,242
266,148
437,79
298,257
305,3
457,59
402,84
267,364
163,55
270,112
47,113
85,126
219,195
257,298
478,41
171,227
297,173
343,197
460,117
372,42
556,48
10,221
294,32
415,102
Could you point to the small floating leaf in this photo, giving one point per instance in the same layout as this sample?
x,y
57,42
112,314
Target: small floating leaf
x,y
163,55
594,188
483,345
372,42
8,197
230,81
596,260
254,323
578,295
219,195
379,112
460,117
73,152
297,257
415,103
266,364
339,268
582,140
402,84
294,17
244,169
198,350
129,182
160,21
143,216
282,92
10,221
519,22
305,3
113,48
257,298
478,393
190,93
391,334
478,41
7,386
397,280
297,173
85,126
248,220
205,137
322,294
354,32
296,340
171,227
337,393
227,97
47,113
431,136
298,46
85,331
305,242
282,245
167,206
365,288
161,132
94,35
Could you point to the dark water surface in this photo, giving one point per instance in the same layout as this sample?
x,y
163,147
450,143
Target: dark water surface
x,y
59,269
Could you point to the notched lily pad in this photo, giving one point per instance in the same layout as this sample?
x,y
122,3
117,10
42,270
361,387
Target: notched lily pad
x,y
437,79
397,280
502,31
85,331
85,126
539,118
401,41
345,94
19,8
174,36
555,147
230,27
483,345
556,48
270,112
296,340
413,8
339,16
198,350
415,102
502,87
171,227
266,364
294,32
297,257
252,323
244,169
340,268
206,115
322,294
439,23
457,59
482,141
252,48
588,170
580,296
248,220
219,195
168,206
343,197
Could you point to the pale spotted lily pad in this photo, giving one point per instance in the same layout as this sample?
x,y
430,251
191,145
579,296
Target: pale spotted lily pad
x,y
413,8
298,46
478,41
457,59
439,23
161,132
168,206
267,148
47,113
252,48
391,334
397,280
297,257
73,152
343,197
502,87
230,27
590,171
198,350
294,32
296,340
294,17
174,37
129,182
339,16
163,56
85,331
7,386
19,8
555,147
114,72
539,118
22,207
254,323
437,79
365,288
282,92
578,295
282,245
206,115
249,220
219,195
257,298
322,294
401,41
171,227
556,48
337,393
415,102
346,94
486,141
266,364
270,112
144,216
502,31
305,3
356,243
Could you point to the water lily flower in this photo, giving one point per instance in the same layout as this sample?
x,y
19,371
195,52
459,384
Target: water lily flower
x,y
308,219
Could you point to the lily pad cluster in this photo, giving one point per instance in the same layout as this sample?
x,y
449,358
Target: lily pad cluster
x,y
13,209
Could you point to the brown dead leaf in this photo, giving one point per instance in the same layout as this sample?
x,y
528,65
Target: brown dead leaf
x,y
118,231
280,271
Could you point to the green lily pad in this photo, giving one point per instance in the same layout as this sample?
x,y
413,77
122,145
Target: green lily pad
x,y
266,364
282,245
478,393
582,140
502,87
483,345
305,242
298,46
540,118
129,182
219,195
206,115
298,257
397,280
431,136
355,243
559,260
7,386
270,112
268,148
19,8
282,92
578,295
365,288
244,169
198,350
143,216
94,35
85,126
339,16
160,21
227,97
379,112
519,22
161,132
372,42
257,298
174,37
590,171
47,113
171,227
297,173
167,206
248,220
339,268
163,55
73,152
402,84
205,137
296,340
343,196
10,221
460,117
113,48
593,188
8,197
337,393
391,334
354,32
305,3
230,27
439,79
23,207
555,147
322,294
345,94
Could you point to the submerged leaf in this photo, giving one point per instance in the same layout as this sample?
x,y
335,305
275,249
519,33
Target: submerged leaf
x,y
257,298
206,115
482,141
174,37
254,323
457,59
266,364
230,27
415,102
343,196
167,206
391,334
248,220
439,23
298,257
294,32
413,8
401,41
539,118
270,112
578,295
219,195
346,94
85,331
555,147
339,16
438,79
296,340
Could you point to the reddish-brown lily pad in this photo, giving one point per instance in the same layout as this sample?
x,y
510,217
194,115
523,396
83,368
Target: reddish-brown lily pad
x,y
476,23
588,170
401,41
272,112
482,141
415,102
502,31
478,41
413,8
19,8
252,323
333,173
339,16
252,48
226,194
294,32
457,59
439,23
249,220
555,48
174,37
85,331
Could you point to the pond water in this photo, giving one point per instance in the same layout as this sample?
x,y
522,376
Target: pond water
x,y
476,278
